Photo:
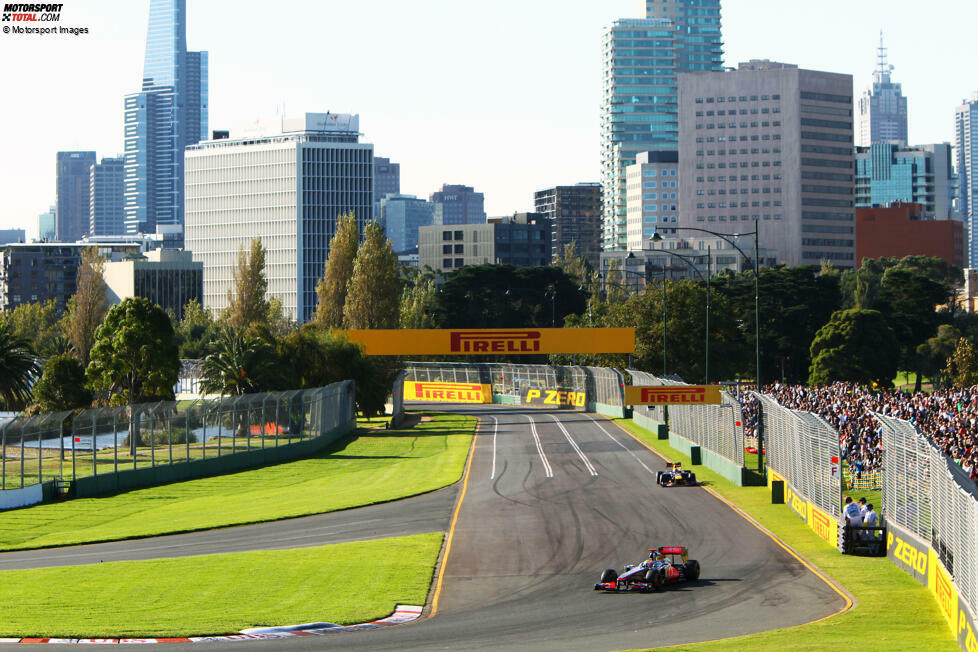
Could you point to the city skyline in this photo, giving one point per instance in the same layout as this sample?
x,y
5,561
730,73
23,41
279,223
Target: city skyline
x,y
493,123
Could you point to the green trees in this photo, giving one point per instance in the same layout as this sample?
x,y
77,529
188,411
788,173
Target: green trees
x,y
417,301
239,365
857,346
87,308
374,290
195,332
62,385
962,365
247,303
38,325
17,369
332,288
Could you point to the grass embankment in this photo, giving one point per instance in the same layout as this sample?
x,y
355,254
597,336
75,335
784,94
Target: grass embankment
x,y
892,611
220,594
378,466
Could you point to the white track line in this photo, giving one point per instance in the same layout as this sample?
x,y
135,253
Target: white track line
x,y
630,452
536,438
574,445
495,431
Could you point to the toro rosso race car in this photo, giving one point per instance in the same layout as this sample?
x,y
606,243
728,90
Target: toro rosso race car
x,y
665,565
674,475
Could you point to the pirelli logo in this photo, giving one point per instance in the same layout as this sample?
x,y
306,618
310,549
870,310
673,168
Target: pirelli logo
x,y
947,598
495,341
673,395
447,392
823,525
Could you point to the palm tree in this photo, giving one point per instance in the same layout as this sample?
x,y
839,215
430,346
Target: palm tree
x,y
238,365
18,369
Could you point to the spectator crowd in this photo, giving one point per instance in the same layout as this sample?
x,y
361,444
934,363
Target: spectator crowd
x,y
949,418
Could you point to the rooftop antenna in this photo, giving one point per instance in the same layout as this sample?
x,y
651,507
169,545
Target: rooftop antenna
x,y
882,67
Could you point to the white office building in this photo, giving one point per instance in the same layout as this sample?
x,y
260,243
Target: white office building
x,y
287,190
651,198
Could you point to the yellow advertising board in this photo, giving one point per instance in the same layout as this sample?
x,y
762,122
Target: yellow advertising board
x,y
494,341
673,395
559,397
447,392
824,525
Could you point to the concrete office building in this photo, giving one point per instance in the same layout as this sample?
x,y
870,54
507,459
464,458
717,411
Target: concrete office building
x,y
882,116
36,272
169,278
905,229
73,180
522,240
887,173
387,181
574,213
652,196
770,145
402,216
287,190
107,201
46,225
167,114
457,204
966,165
641,61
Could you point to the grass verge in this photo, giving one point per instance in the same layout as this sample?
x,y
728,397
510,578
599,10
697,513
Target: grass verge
x,y
377,466
220,594
892,611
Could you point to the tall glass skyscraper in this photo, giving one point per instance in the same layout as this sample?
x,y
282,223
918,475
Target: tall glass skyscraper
x,y
966,163
639,109
169,113
882,108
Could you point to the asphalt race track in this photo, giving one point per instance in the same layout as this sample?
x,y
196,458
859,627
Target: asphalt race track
x,y
551,499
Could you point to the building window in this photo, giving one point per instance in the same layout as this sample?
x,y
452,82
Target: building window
x,y
446,263
446,235
446,249
459,249
458,235
459,262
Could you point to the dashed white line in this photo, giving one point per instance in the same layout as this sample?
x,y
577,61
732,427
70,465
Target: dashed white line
x,y
574,445
630,452
536,438
495,431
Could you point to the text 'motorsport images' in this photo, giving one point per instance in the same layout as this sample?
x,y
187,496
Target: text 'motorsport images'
x,y
665,565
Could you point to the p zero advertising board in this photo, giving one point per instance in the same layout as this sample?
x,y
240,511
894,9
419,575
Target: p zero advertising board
x,y
673,395
558,397
447,392
494,341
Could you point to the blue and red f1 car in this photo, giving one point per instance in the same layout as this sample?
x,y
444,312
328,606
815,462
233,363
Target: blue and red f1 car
x,y
665,565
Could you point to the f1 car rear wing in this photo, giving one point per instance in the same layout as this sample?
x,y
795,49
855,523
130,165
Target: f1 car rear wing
x,y
670,550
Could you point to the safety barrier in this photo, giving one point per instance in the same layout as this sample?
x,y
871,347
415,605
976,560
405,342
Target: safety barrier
x,y
117,448
931,508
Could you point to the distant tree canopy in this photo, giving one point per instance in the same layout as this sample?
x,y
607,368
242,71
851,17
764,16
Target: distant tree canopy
x,y
857,346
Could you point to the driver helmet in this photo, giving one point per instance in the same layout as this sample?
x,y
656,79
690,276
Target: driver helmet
x,y
645,564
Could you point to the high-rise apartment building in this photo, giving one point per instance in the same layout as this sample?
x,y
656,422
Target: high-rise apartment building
x,y
46,225
402,216
641,61
652,195
387,181
966,164
769,145
882,107
107,214
888,173
287,190
574,213
457,204
169,113
71,216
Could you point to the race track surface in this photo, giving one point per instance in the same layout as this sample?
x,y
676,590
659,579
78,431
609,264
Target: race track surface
x,y
552,499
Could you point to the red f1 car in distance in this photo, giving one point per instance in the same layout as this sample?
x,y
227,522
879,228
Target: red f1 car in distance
x,y
665,565
674,475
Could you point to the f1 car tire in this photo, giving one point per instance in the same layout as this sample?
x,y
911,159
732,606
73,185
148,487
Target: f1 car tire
x,y
692,570
654,579
658,478
692,479
609,575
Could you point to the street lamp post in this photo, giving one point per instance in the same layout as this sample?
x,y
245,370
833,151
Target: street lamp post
x,y
757,310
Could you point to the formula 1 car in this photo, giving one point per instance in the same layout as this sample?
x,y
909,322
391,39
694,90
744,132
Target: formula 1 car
x,y
674,475
665,565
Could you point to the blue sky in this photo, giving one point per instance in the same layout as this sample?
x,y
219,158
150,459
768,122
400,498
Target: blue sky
x,y
503,95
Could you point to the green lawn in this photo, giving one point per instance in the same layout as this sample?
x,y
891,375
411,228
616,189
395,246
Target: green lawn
x,y
219,594
892,611
379,465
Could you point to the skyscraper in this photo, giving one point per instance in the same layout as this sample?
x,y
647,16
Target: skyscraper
x,y
169,113
402,215
387,181
455,204
966,163
642,59
107,203
71,216
887,173
574,213
882,107
45,225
